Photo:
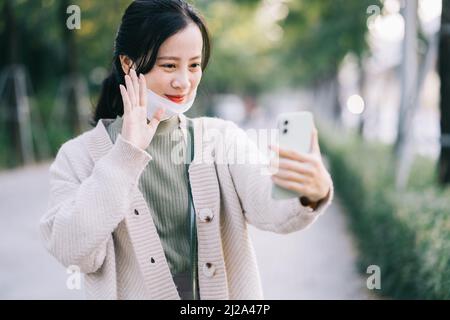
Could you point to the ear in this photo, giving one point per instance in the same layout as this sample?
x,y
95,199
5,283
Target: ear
x,y
126,63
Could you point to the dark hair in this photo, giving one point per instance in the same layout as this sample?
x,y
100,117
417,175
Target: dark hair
x,y
145,25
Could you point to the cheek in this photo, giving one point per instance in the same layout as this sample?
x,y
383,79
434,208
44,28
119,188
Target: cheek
x,y
156,81
197,78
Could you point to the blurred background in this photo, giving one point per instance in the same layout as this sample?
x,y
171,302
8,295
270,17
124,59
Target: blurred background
x,y
375,74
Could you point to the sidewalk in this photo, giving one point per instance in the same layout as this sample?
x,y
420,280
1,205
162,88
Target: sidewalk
x,y
317,263
27,271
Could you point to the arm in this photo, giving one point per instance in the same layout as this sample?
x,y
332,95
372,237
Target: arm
x,y
253,184
82,215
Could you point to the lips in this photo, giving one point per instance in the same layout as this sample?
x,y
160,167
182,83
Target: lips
x,y
176,99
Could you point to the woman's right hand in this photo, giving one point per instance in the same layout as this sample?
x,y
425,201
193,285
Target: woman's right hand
x,y
136,129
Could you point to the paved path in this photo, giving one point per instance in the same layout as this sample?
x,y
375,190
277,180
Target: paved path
x,y
317,263
27,271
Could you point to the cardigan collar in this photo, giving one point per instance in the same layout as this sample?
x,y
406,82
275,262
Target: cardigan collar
x,y
100,142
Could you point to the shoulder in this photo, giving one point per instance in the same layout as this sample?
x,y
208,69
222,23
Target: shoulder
x,y
74,154
78,144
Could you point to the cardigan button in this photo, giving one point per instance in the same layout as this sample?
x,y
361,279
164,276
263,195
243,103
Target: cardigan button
x,y
206,215
209,269
136,212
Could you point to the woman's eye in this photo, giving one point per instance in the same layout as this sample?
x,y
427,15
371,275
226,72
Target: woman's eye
x,y
169,66
172,66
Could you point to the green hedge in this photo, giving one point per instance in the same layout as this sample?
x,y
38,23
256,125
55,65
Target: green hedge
x,y
406,234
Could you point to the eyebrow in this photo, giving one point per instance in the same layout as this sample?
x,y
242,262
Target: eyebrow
x,y
175,58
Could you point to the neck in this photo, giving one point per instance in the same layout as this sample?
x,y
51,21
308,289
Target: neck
x,y
168,125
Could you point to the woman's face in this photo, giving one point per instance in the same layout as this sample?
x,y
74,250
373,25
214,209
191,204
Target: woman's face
x,y
177,71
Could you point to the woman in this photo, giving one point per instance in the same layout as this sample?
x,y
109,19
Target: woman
x,y
139,223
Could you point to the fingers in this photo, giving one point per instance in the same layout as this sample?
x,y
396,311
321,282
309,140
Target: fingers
x,y
294,186
135,81
126,101
291,154
154,122
130,90
291,165
136,89
292,176
142,91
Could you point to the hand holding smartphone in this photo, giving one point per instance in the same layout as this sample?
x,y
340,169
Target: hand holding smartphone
x,y
295,133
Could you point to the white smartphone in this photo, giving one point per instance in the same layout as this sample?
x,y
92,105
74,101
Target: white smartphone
x,y
294,133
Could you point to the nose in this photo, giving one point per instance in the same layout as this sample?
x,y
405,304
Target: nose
x,y
181,81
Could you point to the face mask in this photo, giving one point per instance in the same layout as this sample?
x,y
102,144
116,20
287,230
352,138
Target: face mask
x,y
155,101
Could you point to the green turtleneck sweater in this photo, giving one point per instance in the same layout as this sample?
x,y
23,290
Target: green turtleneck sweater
x,y
164,185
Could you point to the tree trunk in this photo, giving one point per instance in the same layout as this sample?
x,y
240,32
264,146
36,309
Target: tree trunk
x,y
11,125
70,73
334,99
444,72
362,81
408,94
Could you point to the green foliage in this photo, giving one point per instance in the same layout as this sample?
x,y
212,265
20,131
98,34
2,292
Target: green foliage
x,y
254,49
406,233
318,35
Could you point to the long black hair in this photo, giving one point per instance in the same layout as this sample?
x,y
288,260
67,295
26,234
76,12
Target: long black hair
x,y
145,25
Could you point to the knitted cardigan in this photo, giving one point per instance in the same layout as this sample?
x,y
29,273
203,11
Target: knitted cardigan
x,y
98,220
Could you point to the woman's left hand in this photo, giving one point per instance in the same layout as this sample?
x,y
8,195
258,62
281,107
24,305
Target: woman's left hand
x,y
303,173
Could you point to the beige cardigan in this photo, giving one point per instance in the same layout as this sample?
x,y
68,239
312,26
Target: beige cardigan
x,y
98,219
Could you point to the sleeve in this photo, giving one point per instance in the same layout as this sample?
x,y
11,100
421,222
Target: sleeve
x,y
251,178
82,215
